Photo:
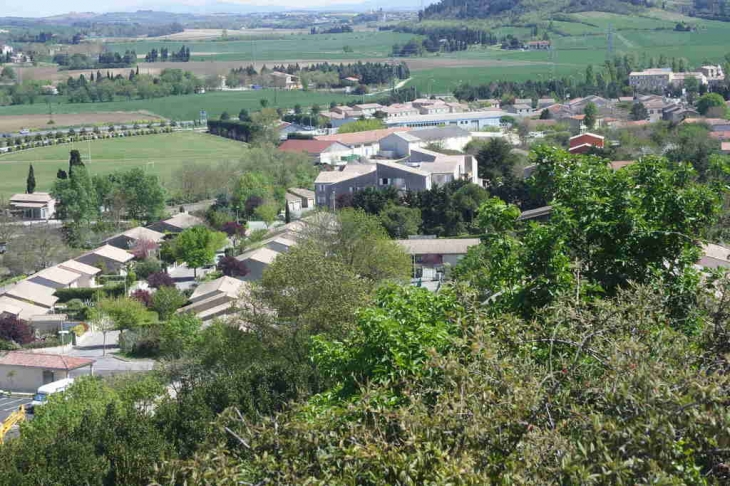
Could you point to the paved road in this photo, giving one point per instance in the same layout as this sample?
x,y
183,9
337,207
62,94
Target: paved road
x,y
107,364
11,404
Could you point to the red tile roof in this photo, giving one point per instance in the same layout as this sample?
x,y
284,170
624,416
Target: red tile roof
x,y
46,361
359,138
313,147
720,135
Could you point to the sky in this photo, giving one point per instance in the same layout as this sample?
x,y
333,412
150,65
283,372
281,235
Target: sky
x,y
44,8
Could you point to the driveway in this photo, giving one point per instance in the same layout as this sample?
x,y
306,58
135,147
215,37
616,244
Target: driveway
x,y
92,347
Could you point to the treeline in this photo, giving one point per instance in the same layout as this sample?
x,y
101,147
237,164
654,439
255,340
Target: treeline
x,y
244,131
100,87
453,36
467,9
183,55
367,72
338,29
106,60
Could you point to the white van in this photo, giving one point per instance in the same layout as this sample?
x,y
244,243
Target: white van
x,y
41,396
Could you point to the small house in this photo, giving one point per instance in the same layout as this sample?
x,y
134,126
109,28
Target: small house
x,y
176,224
87,273
109,258
26,372
56,278
39,206
430,255
216,298
581,144
320,151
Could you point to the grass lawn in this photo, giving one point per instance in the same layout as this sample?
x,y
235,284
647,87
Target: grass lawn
x,y
160,154
187,107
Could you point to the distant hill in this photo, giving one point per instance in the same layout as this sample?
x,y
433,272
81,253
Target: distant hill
x,y
469,9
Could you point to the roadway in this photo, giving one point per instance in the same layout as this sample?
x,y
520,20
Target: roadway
x,y
9,404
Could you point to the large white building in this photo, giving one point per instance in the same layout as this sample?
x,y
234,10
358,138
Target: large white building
x,y
659,79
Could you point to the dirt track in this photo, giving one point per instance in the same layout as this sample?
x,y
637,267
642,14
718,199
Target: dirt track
x,y
13,123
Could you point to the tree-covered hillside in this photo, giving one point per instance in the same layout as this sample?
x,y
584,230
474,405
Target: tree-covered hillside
x,y
469,9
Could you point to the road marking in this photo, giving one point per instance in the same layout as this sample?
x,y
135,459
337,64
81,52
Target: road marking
x,y
12,408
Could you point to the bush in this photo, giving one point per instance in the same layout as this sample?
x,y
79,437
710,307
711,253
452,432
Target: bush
x,y
143,296
142,342
77,310
160,279
13,329
166,301
47,342
147,267
8,345
79,330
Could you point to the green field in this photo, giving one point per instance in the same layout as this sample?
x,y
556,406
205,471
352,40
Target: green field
x,y
188,107
160,154
292,47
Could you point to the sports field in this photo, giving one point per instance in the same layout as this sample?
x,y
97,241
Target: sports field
x,y
160,154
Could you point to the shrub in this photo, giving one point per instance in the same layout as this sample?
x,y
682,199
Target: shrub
x,y
8,345
232,267
166,301
13,329
77,293
147,267
143,296
160,279
79,330
142,342
232,228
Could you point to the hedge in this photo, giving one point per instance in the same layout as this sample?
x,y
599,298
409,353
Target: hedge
x,y
88,293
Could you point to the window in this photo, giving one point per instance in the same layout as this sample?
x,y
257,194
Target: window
x,y
384,181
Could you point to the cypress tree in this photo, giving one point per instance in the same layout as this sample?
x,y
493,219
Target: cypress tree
x,y
30,182
287,216
74,161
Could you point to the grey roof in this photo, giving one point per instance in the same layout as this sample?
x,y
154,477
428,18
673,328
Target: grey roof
x,y
442,246
438,133
349,172
535,213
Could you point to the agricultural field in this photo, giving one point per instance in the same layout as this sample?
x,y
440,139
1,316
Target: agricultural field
x,y
292,46
160,154
40,122
188,107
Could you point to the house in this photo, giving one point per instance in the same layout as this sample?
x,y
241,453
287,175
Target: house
x,y
362,144
280,244
402,143
257,260
321,151
520,109
582,143
87,273
33,207
677,113
5,49
306,197
129,238
216,298
353,177
49,89
368,109
541,45
714,74
400,110
655,79
26,372
656,106
284,80
286,129
21,309
110,258
725,147
31,293
714,256
545,102
431,107
56,278
176,224
430,255
444,168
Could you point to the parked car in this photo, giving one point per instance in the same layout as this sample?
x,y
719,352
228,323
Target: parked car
x,y
24,131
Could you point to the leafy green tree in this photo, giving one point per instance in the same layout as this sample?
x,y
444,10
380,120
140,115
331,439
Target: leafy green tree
x,y
639,112
139,193
616,226
400,221
196,246
709,101
373,200
30,181
692,143
166,300
225,116
123,313
179,334
250,184
267,212
591,114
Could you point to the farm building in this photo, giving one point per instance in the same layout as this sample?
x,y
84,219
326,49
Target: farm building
x,y
33,207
